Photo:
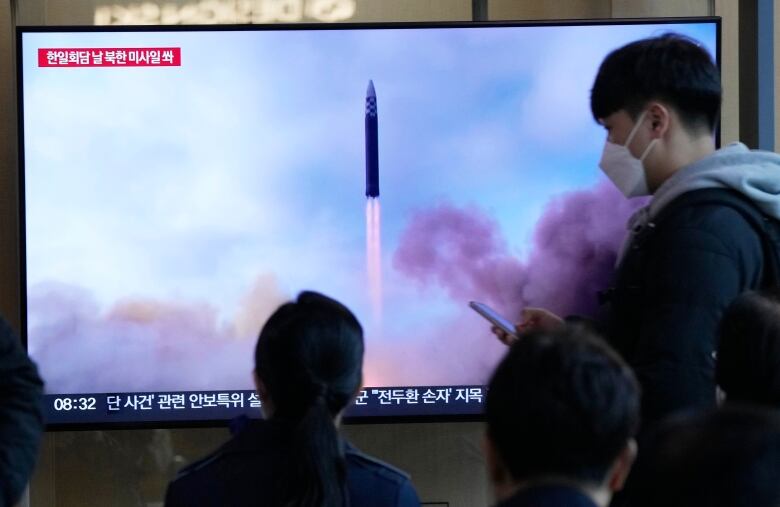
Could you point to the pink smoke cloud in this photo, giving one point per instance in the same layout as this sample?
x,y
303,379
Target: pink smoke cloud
x,y
149,345
144,344
460,250
457,351
574,249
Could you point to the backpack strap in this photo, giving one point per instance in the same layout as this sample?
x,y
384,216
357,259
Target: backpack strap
x,y
767,228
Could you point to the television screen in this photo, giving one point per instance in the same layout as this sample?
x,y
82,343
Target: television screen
x,y
181,183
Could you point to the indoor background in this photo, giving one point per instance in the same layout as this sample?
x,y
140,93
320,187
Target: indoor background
x,y
132,467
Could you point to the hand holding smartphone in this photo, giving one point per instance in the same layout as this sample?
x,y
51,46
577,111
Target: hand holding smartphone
x,y
494,318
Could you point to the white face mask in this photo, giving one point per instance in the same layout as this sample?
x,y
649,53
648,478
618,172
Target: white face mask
x,y
625,170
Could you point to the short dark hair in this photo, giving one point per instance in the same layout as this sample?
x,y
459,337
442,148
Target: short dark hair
x,y
561,404
748,365
672,68
728,457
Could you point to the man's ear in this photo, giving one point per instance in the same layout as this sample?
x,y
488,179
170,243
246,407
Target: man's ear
x,y
660,119
622,466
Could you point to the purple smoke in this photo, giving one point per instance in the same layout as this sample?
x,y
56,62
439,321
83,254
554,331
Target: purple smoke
x,y
462,251
148,345
573,255
143,344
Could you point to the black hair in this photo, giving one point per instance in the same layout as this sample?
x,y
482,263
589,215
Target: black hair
x,y
309,356
561,404
728,457
748,365
672,68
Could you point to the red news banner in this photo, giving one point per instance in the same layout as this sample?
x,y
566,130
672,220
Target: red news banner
x,y
109,57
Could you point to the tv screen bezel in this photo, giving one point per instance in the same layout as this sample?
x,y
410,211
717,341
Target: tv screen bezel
x,y
21,30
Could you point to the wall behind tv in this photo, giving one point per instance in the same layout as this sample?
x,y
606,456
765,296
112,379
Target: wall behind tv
x,y
132,467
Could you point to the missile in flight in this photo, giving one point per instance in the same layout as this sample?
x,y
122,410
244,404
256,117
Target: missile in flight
x,y
372,143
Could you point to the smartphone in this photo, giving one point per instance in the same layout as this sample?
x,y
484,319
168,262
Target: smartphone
x,y
494,317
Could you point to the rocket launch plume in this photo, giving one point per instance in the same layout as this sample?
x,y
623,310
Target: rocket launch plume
x,y
374,256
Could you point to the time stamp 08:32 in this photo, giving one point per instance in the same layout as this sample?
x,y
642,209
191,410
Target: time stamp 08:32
x,y
66,404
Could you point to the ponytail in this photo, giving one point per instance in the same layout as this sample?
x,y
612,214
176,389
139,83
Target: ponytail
x,y
317,470
310,357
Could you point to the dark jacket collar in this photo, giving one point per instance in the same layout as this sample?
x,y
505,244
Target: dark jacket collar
x,y
262,435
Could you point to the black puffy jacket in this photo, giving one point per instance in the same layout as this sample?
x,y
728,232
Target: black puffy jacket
x,y
671,288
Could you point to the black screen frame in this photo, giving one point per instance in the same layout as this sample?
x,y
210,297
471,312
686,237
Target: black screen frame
x,y
21,30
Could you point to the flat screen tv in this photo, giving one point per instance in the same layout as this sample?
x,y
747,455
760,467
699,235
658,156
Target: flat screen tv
x,y
179,183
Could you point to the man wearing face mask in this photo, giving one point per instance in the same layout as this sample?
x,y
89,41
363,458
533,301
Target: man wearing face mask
x,y
689,252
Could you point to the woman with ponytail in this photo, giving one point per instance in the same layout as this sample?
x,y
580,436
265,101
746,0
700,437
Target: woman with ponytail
x,y
308,368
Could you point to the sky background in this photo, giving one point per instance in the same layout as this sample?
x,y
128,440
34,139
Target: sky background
x,y
169,210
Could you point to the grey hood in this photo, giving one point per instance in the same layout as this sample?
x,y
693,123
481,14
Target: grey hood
x,y
755,174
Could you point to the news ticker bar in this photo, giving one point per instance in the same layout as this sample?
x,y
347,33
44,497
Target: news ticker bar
x,y
224,405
